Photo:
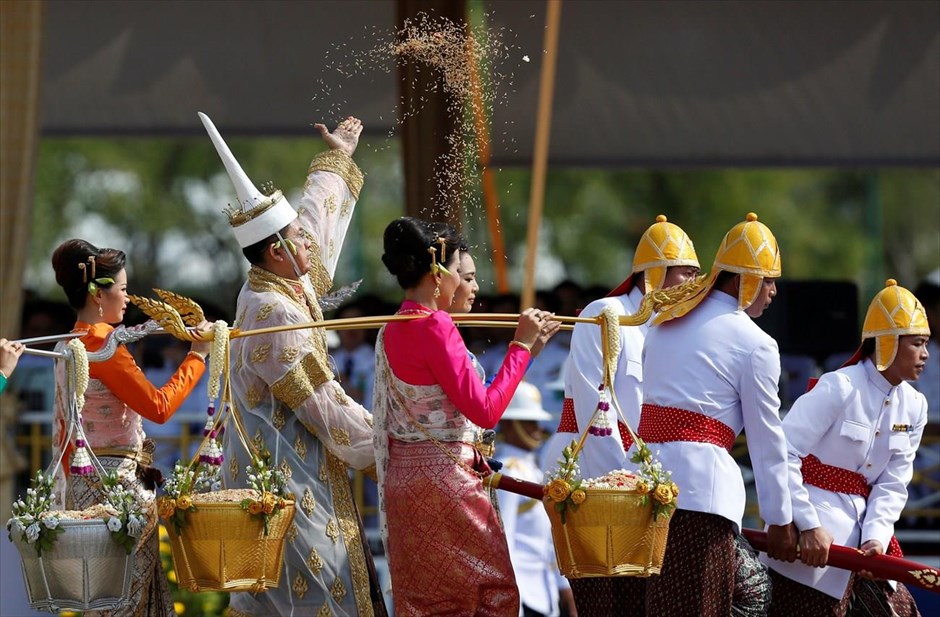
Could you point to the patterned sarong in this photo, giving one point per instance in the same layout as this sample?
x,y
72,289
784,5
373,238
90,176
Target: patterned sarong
x,y
699,570
446,551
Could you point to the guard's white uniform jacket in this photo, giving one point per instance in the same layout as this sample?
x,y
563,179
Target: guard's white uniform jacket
x,y
717,362
856,420
584,372
529,534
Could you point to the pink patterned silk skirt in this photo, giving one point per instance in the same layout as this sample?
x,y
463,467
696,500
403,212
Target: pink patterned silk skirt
x,y
446,550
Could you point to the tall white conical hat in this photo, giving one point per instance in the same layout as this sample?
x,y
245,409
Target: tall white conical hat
x,y
257,215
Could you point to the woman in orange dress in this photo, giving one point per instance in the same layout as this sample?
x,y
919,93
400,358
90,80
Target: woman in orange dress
x,y
117,400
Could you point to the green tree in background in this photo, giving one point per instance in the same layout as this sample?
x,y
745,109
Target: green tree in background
x,y
161,200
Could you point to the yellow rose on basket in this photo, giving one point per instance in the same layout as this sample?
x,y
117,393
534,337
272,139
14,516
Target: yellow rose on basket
x,y
268,502
674,489
185,502
167,507
642,488
663,494
558,490
255,507
578,496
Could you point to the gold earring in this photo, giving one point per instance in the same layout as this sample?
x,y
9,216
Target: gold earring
x,y
100,311
437,289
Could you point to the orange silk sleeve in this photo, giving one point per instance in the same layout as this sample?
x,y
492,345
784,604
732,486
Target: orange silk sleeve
x,y
124,378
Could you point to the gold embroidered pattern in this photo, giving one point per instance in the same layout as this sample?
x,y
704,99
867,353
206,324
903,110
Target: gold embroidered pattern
x,y
340,436
314,562
233,467
319,275
324,473
260,353
300,586
332,252
300,447
346,511
286,469
238,320
253,396
332,530
301,380
292,533
330,203
288,354
338,590
340,164
265,311
308,503
262,281
324,611
278,419
347,206
258,440
341,397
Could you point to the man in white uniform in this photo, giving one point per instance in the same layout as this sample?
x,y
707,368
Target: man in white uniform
x,y
664,257
851,444
710,372
285,391
527,526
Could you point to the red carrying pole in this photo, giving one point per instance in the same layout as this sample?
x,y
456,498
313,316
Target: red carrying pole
x,y
881,566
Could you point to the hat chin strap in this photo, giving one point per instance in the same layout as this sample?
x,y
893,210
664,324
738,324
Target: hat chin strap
x,y
290,254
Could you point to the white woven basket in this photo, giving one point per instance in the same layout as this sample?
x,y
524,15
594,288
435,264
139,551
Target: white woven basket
x,y
85,570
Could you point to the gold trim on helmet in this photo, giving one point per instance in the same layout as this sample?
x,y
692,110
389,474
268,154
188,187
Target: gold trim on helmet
x,y
748,249
893,312
662,245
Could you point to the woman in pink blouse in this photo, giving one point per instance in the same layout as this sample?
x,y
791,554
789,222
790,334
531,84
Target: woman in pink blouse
x,y
446,550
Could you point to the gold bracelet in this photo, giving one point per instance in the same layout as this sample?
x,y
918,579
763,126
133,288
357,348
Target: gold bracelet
x,y
197,354
522,345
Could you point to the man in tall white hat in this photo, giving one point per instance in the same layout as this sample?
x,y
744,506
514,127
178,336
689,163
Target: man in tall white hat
x,y
710,372
527,526
664,257
284,388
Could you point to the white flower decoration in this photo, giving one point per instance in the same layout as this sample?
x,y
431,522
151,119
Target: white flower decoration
x,y
32,533
114,524
51,522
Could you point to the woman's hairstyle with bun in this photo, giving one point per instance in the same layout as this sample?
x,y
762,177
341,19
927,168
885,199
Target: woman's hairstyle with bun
x,y
407,240
78,264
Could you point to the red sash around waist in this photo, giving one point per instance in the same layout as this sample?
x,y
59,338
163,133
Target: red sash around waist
x,y
660,424
569,424
839,480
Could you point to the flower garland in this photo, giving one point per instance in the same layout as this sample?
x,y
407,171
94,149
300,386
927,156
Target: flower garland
x,y
212,454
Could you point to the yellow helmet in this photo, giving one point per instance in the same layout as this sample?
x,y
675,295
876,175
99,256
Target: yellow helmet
x,y
749,249
662,245
892,313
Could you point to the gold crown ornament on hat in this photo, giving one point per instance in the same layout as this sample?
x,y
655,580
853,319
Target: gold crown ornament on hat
x,y
748,249
258,214
661,246
892,313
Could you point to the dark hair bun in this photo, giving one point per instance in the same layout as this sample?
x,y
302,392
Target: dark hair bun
x,y
407,240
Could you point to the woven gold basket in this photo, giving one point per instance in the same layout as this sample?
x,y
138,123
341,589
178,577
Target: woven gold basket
x,y
611,534
223,548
